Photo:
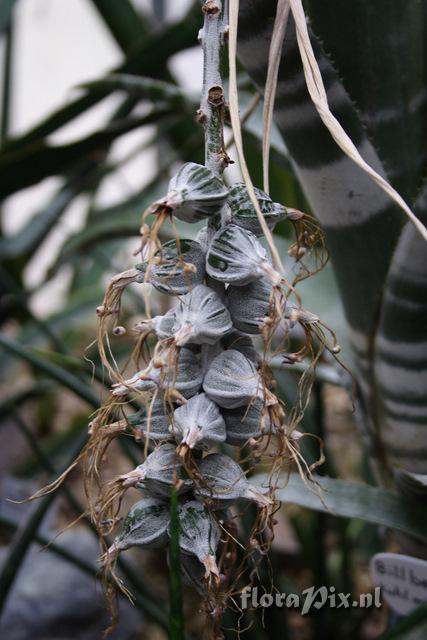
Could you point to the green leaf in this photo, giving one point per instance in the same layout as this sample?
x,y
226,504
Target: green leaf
x,y
149,59
411,627
176,619
143,88
29,238
25,535
59,374
352,500
126,25
6,7
20,168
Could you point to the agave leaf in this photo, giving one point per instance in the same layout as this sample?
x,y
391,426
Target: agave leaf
x,y
28,239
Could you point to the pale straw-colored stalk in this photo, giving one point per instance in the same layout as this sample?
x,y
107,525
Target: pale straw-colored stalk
x,y
277,39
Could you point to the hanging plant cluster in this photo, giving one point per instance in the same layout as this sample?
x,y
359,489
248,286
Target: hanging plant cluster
x,y
208,411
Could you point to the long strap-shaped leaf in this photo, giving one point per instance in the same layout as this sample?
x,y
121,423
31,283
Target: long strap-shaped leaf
x,y
353,500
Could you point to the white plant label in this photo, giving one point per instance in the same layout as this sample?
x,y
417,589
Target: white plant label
x,y
403,580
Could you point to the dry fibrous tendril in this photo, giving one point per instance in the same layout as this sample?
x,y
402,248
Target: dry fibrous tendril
x,y
202,381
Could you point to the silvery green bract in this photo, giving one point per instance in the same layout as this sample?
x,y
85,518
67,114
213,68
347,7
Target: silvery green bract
x,y
200,318
195,193
249,305
198,422
235,256
146,525
199,534
243,213
241,342
160,471
227,482
232,380
187,379
156,426
170,272
244,422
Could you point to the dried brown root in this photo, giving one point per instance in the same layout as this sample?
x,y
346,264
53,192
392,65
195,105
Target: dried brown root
x,y
108,314
309,241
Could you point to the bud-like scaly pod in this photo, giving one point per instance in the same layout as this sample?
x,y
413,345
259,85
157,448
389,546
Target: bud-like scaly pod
x,y
177,268
187,380
232,380
243,213
200,318
146,525
161,470
226,482
245,422
198,422
199,534
194,193
236,256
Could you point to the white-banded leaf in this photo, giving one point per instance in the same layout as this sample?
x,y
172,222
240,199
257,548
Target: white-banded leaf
x,y
200,317
236,256
199,534
244,214
199,422
227,482
146,525
232,380
195,193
